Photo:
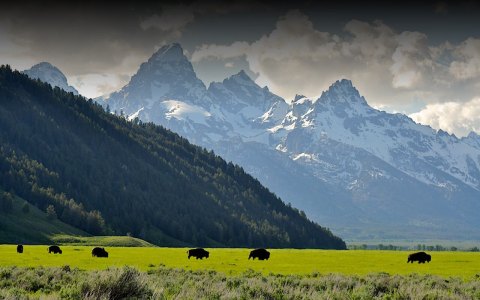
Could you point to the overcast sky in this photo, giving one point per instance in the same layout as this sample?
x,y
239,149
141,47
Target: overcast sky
x,y
422,60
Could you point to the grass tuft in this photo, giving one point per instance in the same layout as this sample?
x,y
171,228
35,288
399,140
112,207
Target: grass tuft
x,y
126,283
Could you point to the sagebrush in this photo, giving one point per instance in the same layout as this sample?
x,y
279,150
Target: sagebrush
x,y
166,283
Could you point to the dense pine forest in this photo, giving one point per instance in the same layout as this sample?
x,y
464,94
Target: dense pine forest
x,y
105,175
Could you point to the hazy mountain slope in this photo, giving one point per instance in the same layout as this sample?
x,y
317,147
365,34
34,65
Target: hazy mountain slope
x,y
357,169
401,173
48,73
341,114
107,174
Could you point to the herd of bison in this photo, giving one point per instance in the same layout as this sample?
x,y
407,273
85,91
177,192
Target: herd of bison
x,y
200,253
96,252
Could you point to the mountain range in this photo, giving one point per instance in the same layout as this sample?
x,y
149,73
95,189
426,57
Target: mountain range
x,y
365,173
102,174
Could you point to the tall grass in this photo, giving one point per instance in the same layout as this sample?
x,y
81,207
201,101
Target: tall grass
x,y
166,283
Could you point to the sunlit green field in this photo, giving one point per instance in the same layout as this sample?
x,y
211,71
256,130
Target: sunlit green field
x,y
235,261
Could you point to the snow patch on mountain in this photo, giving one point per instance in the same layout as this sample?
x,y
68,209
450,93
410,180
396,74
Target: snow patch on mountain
x,y
135,114
183,111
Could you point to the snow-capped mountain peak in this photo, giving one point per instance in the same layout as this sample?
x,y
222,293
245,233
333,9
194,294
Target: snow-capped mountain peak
x,y
172,52
48,73
242,100
242,81
343,100
241,78
342,91
473,139
167,75
240,89
167,64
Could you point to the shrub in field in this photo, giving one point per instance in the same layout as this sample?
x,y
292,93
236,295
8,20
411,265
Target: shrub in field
x,y
117,284
16,282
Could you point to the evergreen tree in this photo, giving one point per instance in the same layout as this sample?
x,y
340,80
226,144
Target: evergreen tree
x,y
6,202
51,214
25,208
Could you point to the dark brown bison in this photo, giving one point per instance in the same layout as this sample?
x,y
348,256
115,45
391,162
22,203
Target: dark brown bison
x,y
421,257
19,248
54,249
99,252
261,254
198,253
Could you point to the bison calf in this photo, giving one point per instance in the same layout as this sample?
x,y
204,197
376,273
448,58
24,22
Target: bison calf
x,y
421,257
54,249
99,252
19,248
261,254
198,253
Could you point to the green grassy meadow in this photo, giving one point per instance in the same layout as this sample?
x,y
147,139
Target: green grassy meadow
x,y
101,241
235,261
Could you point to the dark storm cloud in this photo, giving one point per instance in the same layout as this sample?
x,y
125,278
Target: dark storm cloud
x,y
103,43
87,37
79,38
399,53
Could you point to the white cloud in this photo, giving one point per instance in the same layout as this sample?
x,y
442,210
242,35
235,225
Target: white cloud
x,y
93,85
295,57
174,18
453,117
467,63
220,51
410,56
369,40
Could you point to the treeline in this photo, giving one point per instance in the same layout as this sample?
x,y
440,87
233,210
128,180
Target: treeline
x,y
102,173
419,247
27,176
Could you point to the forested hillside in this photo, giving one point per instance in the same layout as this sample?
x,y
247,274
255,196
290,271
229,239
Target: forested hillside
x,y
104,174
22,223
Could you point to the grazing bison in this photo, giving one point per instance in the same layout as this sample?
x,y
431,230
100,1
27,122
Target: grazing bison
x,y
99,252
198,253
421,257
54,249
261,254
19,248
